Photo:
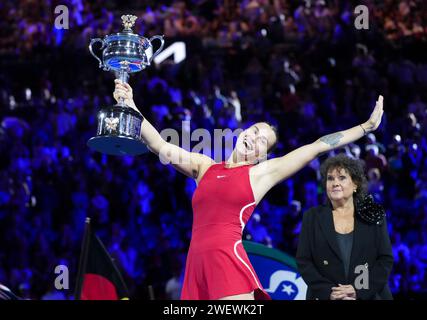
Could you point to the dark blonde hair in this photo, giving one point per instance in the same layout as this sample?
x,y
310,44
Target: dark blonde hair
x,y
276,133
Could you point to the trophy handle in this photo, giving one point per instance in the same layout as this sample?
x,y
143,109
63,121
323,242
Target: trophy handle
x,y
101,64
162,42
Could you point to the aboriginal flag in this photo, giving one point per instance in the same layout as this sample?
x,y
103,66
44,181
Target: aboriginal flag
x,y
98,277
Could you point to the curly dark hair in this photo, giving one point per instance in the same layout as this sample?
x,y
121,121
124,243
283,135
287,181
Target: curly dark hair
x,y
355,168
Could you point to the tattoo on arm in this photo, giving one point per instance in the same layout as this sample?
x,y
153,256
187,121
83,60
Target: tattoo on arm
x,y
332,139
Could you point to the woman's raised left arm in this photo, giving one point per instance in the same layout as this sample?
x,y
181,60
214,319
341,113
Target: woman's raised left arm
x,y
273,171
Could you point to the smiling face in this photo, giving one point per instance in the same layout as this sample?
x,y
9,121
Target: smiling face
x,y
339,185
254,143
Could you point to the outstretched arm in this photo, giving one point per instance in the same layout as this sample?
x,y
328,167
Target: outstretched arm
x,y
188,163
341,138
271,172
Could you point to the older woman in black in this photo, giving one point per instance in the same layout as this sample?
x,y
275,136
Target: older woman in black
x,y
344,250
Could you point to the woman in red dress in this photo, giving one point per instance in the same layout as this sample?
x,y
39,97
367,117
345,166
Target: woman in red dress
x,y
217,265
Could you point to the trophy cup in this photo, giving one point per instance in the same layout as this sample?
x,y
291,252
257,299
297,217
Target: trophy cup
x,y
119,126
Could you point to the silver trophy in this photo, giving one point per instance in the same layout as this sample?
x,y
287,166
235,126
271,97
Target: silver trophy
x,y
119,126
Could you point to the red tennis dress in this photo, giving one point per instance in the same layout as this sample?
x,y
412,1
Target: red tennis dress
x,y
217,264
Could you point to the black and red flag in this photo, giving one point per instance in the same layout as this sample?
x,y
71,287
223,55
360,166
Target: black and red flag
x,y
98,277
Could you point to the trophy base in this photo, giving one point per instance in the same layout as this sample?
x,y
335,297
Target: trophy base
x,y
117,145
119,132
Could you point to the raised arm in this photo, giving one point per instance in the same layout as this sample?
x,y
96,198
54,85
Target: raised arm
x,y
342,138
189,163
273,171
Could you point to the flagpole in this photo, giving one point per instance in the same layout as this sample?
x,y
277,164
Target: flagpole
x,y
151,292
83,259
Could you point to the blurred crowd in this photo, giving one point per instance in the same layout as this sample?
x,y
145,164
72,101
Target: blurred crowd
x,y
301,65
27,24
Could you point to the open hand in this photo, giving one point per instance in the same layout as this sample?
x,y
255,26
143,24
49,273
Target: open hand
x,y
375,119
